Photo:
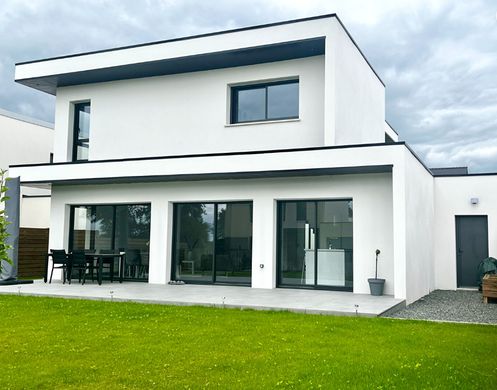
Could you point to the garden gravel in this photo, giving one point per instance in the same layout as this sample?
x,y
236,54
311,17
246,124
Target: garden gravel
x,y
458,306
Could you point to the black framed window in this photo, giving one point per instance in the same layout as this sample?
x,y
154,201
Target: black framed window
x,y
81,135
118,228
264,102
315,244
212,243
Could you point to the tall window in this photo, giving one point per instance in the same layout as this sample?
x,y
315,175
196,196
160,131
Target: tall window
x,y
263,102
315,246
118,228
213,242
81,137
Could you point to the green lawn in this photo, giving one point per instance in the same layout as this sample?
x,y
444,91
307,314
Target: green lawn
x,y
58,343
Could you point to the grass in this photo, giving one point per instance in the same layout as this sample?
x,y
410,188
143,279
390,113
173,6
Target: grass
x,y
49,343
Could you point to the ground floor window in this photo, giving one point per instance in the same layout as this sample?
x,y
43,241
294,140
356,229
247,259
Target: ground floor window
x,y
212,242
315,244
123,228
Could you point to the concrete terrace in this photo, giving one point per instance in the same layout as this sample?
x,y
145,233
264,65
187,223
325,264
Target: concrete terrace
x,y
295,300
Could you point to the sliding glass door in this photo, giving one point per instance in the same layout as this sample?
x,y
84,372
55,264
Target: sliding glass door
x,y
117,228
213,242
315,244
194,242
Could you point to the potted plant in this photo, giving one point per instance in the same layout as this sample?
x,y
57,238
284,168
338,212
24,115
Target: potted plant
x,y
376,285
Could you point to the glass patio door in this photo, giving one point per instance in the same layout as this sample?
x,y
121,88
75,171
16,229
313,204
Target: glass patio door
x,y
114,228
315,244
297,236
213,243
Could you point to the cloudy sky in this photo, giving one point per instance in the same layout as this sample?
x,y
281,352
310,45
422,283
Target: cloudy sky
x,y
438,59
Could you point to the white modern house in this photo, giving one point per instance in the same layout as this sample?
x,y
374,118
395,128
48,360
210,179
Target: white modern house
x,y
25,140
258,156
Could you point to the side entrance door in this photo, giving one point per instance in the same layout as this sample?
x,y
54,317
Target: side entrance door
x,y
471,247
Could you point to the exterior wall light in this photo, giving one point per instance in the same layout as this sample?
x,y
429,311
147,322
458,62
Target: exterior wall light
x,y
475,201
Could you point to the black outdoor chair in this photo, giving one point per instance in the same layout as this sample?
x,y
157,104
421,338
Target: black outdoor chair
x,y
79,262
91,263
59,261
134,265
109,263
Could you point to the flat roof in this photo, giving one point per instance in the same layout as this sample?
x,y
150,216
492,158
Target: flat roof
x,y
219,154
27,119
239,52
234,30
194,63
450,171
170,174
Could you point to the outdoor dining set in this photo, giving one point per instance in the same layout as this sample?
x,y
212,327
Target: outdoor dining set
x,y
90,263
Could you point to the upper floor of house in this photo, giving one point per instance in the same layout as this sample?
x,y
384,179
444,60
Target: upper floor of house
x,y
294,84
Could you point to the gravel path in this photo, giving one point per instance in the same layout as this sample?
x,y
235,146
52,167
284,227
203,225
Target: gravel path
x,y
460,306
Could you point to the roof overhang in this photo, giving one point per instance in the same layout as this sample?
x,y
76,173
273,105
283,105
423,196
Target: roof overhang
x,y
319,161
280,41
217,176
193,63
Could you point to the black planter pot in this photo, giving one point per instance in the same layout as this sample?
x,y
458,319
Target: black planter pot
x,y
376,286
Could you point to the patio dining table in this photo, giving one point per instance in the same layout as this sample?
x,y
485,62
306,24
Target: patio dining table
x,y
100,257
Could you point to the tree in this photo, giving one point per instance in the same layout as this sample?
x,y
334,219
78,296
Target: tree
x,y
194,228
4,248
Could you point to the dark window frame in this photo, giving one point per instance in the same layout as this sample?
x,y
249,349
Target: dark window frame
x,y
76,141
93,207
279,231
174,243
234,100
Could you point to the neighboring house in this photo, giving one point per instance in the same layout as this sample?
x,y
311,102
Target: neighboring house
x,y
25,140
258,156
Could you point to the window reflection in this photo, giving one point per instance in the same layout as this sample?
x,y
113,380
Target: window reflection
x,y
283,101
118,228
315,244
81,131
252,105
194,246
277,100
213,242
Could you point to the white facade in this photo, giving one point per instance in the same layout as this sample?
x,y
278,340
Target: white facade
x,y
166,137
193,105
26,140
371,196
453,198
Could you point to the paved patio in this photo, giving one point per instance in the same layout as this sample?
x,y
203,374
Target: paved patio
x,y
303,301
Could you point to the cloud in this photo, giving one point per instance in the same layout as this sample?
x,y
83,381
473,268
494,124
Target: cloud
x,y
437,58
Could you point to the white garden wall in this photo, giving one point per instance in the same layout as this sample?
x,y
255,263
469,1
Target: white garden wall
x,y
419,229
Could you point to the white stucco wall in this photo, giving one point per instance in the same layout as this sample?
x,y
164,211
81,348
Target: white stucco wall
x,y
391,132
453,197
372,224
188,113
26,142
419,229
35,212
23,142
359,95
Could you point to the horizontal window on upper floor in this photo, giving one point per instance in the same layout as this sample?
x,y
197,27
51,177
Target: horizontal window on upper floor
x,y
269,101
